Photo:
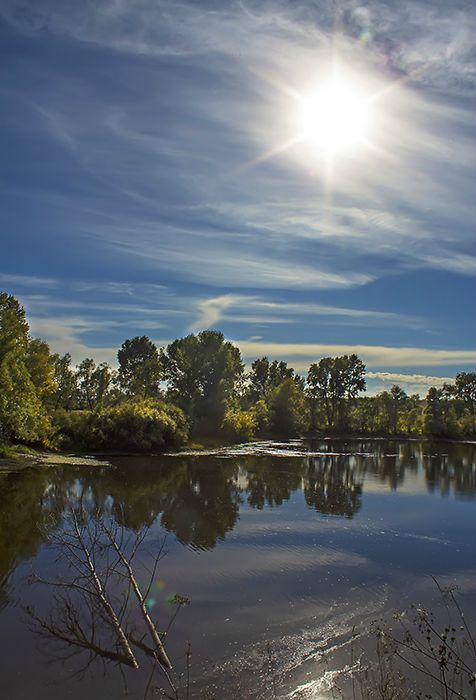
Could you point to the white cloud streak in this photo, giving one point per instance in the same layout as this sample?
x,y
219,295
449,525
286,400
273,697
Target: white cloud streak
x,y
64,336
27,281
411,383
254,309
437,50
301,354
399,378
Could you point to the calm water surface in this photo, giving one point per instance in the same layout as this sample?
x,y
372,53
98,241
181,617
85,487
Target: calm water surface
x,y
284,549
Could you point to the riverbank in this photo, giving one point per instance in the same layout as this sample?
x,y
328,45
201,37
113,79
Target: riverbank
x,y
14,457
17,457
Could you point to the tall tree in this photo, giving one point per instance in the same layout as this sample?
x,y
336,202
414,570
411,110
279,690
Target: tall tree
x,y
93,383
65,394
258,379
332,382
392,404
365,414
288,408
21,414
439,416
203,372
266,376
139,371
465,389
41,366
13,327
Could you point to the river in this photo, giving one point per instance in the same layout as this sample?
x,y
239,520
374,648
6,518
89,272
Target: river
x,y
287,552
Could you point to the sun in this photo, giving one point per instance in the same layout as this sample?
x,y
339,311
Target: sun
x,y
334,118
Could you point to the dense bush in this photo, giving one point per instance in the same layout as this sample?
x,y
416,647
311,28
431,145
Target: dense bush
x,y
76,429
135,426
140,426
239,425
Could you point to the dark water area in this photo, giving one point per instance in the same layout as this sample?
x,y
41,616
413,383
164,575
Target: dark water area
x,y
285,550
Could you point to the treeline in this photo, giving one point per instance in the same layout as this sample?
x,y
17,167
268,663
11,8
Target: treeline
x,y
198,385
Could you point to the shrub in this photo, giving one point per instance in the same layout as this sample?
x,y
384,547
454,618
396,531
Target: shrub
x,y
140,426
76,429
260,413
239,425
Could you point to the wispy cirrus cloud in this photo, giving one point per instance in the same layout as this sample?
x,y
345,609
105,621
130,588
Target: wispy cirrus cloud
x,y
27,281
235,308
438,49
289,238
157,170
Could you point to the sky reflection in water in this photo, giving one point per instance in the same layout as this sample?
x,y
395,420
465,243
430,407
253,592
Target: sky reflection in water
x,y
287,544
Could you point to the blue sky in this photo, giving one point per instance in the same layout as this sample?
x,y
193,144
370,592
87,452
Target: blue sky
x,y
146,186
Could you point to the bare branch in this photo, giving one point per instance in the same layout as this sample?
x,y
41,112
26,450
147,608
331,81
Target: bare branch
x,y
160,652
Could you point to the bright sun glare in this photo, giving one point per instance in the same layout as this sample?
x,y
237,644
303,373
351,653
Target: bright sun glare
x,y
335,118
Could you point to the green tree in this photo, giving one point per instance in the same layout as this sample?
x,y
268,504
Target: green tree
x,y
333,382
258,379
22,417
266,376
392,405
65,394
412,418
260,412
13,327
439,417
465,389
288,409
365,414
41,366
203,373
139,371
278,372
93,383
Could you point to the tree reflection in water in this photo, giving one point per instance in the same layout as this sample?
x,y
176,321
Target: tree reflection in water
x,y
25,512
330,486
198,499
271,482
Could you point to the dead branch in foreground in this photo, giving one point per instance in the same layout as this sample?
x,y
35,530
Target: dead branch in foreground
x,y
99,607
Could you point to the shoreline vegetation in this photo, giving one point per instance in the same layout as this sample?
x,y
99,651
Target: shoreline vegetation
x,y
196,392
18,455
